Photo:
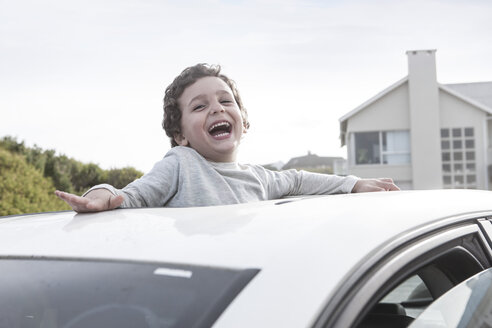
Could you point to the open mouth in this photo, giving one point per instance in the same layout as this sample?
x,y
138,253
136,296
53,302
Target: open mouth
x,y
220,129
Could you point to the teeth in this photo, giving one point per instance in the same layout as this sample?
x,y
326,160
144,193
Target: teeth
x,y
217,125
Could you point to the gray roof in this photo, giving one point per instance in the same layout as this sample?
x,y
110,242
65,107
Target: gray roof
x,y
478,91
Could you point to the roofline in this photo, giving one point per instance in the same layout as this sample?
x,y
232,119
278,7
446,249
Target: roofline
x,y
465,98
403,80
467,83
373,99
343,119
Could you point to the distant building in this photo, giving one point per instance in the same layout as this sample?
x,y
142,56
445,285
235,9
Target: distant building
x,y
423,134
312,162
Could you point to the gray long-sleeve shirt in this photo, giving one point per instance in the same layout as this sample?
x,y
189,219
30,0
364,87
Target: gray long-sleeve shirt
x,y
184,178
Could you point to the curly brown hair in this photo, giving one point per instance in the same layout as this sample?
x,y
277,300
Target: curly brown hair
x,y
172,113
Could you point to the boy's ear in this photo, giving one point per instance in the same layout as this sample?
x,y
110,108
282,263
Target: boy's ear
x,y
180,139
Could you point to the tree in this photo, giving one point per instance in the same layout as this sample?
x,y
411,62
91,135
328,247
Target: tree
x,y
23,189
91,175
11,144
58,168
121,177
55,171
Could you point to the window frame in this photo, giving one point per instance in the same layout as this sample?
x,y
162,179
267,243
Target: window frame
x,y
382,152
452,157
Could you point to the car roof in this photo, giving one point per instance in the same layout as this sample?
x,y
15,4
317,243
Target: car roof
x,y
244,235
311,241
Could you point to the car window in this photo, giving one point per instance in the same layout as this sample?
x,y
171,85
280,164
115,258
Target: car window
x,y
413,294
75,294
467,305
400,306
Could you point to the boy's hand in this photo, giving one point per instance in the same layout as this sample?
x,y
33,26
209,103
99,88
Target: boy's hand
x,y
367,185
95,201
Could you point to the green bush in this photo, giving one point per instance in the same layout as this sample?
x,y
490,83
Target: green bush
x,y
29,175
23,189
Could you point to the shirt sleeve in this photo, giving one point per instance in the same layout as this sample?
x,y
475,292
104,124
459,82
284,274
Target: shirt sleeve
x,y
295,183
154,189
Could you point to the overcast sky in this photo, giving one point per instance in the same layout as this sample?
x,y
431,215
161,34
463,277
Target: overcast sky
x,y
86,78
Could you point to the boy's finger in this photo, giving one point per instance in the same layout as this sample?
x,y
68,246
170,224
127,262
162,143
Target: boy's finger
x,y
388,185
77,203
69,198
393,187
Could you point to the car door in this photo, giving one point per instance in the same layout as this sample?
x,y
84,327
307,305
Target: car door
x,y
397,282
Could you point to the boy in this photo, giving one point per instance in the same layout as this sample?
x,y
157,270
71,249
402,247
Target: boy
x,y
205,119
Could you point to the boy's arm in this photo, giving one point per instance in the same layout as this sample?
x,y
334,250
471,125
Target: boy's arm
x,y
154,189
294,183
94,201
367,185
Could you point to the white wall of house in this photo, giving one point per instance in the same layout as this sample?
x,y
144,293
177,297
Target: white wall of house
x,y
401,174
389,113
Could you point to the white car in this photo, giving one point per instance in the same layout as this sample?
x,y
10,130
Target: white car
x,y
356,260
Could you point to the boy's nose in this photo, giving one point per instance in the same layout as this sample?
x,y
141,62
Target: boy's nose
x,y
216,108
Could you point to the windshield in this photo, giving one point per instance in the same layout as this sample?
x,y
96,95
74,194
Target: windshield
x,y
75,294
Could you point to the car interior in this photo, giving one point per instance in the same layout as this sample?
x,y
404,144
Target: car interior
x,y
410,293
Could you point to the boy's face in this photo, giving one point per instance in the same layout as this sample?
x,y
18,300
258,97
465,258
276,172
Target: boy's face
x,y
211,121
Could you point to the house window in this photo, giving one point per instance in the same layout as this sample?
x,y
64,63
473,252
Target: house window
x,y
367,148
382,147
458,158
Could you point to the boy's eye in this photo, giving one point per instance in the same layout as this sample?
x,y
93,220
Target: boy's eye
x,y
226,101
198,107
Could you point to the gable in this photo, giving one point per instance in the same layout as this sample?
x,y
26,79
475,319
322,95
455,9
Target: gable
x,y
390,112
456,111
466,99
388,109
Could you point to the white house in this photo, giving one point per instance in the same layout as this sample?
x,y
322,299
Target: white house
x,y
423,134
